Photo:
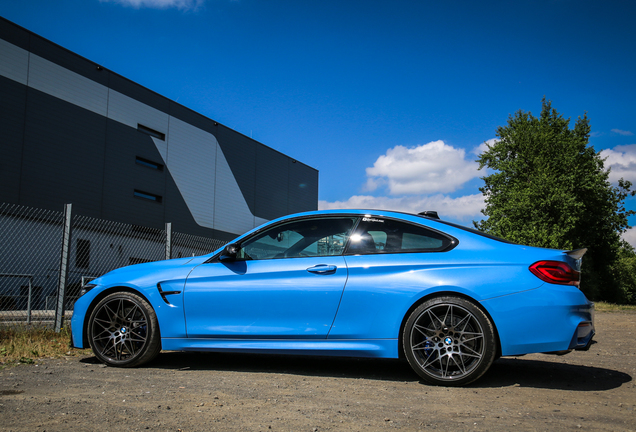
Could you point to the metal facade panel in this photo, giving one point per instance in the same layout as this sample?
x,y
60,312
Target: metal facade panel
x,y
176,211
14,34
67,60
131,112
62,155
205,180
272,183
12,107
14,62
57,81
122,176
137,92
303,187
215,180
231,212
194,118
240,154
191,160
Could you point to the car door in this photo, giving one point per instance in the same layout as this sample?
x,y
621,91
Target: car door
x,y
285,282
389,262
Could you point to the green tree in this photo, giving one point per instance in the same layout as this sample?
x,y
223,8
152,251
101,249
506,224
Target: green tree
x,y
548,187
624,271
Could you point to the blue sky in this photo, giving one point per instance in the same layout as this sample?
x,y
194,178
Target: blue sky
x,y
390,101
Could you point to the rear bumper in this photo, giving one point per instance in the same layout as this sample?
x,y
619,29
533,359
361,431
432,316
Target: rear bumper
x,y
549,319
584,334
582,339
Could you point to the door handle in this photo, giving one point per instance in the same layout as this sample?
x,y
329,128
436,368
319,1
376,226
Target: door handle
x,y
322,269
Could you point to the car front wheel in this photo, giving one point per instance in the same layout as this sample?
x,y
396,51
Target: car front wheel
x,y
449,341
123,330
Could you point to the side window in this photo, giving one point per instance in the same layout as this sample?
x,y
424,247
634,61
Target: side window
x,y
377,236
303,238
422,240
379,239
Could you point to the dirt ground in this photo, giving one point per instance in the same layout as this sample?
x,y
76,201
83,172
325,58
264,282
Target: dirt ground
x,y
591,390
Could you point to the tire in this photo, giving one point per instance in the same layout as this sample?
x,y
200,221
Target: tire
x,y
123,330
449,341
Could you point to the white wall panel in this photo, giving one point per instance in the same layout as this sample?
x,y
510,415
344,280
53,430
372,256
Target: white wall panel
x,y
258,221
131,112
162,146
61,83
191,159
231,212
205,180
14,62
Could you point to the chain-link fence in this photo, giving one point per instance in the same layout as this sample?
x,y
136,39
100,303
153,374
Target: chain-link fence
x,y
30,251
43,250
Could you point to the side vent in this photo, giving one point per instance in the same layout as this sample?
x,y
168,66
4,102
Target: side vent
x,y
163,293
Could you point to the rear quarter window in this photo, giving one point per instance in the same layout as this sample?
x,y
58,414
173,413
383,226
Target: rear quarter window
x,y
379,235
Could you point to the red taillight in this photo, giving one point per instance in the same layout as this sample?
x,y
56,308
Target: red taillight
x,y
555,272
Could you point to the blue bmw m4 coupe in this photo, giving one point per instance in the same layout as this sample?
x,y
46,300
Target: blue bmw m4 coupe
x,y
359,283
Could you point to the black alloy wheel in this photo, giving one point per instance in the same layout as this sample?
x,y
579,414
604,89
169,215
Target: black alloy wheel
x,y
449,341
123,330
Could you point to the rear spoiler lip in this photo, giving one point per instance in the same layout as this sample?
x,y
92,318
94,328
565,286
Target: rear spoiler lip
x,y
576,254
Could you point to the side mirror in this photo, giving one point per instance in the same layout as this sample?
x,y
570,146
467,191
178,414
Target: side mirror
x,y
229,253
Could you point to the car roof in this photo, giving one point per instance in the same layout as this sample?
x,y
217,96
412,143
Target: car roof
x,y
429,221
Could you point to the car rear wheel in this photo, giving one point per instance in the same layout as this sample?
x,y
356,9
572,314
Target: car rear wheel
x,y
123,330
449,341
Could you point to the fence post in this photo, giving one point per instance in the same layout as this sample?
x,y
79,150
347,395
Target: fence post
x,y
63,271
29,300
168,240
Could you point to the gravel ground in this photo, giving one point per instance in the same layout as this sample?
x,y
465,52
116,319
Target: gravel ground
x,y
591,390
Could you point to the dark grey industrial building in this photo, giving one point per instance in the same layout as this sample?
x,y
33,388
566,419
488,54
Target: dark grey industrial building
x,y
72,131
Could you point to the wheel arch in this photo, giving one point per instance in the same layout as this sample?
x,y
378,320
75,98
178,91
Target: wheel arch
x,y
443,294
98,298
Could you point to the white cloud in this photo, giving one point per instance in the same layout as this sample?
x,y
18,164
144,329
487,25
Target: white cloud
x,y
622,161
484,146
430,168
630,236
160,4
622,132
422,175
462,208
372,184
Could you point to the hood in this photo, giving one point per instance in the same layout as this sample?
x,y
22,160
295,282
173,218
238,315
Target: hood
x,y
134,274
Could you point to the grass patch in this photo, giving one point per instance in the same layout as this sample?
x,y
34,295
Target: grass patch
x,y
27,344
611,307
